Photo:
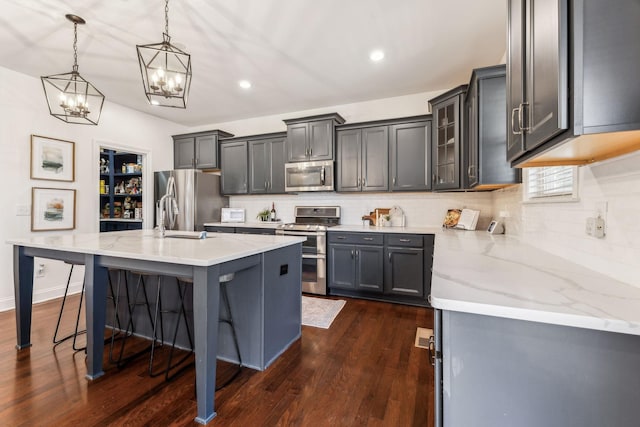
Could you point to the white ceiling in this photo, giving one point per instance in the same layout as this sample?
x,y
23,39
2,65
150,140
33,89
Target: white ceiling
x,y
298,54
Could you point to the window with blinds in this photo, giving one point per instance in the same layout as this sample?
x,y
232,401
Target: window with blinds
x,y
551,184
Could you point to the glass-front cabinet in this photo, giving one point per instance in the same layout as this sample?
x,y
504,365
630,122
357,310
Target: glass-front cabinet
x,y
447,132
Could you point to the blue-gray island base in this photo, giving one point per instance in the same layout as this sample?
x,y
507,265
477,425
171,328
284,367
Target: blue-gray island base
x,y
268,269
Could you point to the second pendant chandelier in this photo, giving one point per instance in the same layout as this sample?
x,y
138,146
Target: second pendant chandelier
x,y
166,70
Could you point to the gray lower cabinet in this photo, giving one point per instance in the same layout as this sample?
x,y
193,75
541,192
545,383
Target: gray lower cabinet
x,y
404,271
500,372
410,156
362,159
356,267
266,165
233,157
197,150
389,267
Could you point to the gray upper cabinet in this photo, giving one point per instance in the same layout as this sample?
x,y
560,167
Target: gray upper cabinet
x,y
197,150
446,140
266,164
233,157
311,138
485,166
362,159
572,84
538,73
410,156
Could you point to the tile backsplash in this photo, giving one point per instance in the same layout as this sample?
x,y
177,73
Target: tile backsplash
x,y
559,228
420,209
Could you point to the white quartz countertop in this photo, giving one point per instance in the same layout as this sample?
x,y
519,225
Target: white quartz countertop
x,y
475,272
256,224
149,246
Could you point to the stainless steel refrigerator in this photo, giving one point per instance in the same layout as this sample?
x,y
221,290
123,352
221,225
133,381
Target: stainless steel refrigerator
x,y
198,196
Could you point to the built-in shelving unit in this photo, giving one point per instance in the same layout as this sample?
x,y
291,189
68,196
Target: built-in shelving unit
x,y
120,191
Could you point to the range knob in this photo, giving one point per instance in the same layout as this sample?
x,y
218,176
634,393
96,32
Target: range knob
x,y
308,227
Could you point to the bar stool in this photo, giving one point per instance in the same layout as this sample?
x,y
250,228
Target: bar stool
x,y
76,332
182,282
224,295
131,304
182,315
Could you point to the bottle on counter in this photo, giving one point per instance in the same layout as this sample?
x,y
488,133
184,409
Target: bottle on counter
x,y
273,212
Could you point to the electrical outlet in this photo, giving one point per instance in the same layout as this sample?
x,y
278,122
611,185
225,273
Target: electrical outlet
x,y
595,227
598,230
40,270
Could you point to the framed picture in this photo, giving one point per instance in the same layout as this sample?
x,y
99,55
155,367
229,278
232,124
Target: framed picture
x,y
53,209
52,159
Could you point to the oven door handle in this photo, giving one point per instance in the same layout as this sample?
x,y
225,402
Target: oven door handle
x,y
311,256
300,233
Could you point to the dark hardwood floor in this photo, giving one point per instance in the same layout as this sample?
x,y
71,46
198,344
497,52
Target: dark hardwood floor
x,y
363,371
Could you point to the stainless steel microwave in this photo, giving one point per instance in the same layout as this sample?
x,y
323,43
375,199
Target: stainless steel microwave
x,y
309,176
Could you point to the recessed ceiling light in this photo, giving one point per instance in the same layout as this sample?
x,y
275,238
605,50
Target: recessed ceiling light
x,y
154,102
376,55
244,84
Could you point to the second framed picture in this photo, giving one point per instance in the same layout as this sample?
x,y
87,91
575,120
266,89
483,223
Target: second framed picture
x,y
53,209
52,159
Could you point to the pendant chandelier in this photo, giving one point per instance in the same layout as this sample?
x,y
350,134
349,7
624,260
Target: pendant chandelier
x,y
166,70
70,97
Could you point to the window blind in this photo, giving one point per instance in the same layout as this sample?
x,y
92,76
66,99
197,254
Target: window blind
x,y
553,181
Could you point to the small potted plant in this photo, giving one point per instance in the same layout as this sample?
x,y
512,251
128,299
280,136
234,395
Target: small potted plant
x,y
263,215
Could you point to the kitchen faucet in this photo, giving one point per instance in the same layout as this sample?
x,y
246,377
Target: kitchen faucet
x,y
168,205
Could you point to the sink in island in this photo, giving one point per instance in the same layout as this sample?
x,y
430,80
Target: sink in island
x,y
269,276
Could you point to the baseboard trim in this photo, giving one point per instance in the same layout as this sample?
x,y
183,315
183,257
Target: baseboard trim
x,y
42,295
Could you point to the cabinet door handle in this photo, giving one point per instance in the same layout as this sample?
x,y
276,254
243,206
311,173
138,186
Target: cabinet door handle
x,y
521,117
310,151
357,253
352,253
367,238
405,240
340,237
513,119
394,180
390,256
364,182
432,350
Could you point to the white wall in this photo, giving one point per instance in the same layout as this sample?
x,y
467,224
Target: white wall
x,y
379,109
23,111
559,227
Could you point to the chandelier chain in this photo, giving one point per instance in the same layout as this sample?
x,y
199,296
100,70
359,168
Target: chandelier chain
x,y
166,17
75,46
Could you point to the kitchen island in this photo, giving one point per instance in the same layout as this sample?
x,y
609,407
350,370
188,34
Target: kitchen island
x,y
274,263
526,338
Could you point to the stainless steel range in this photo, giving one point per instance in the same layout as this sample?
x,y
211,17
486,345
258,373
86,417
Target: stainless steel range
x,y
312,222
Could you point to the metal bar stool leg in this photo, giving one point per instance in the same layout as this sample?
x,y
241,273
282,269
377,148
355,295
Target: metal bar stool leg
x,y
130,328
224,280
76,332
182,313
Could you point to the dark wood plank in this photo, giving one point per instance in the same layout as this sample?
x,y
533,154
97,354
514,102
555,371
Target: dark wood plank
x,y
363,371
